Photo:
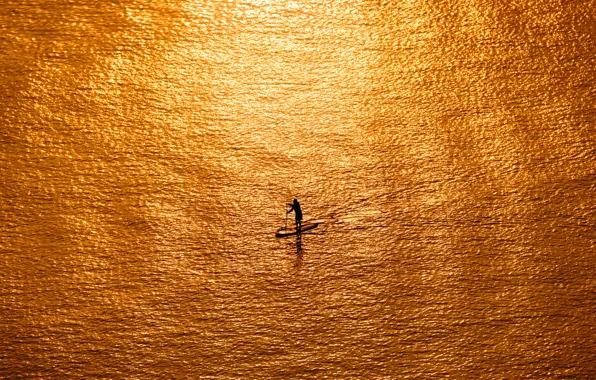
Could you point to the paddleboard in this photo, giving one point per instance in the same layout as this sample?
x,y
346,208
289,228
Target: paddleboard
x,y
292,230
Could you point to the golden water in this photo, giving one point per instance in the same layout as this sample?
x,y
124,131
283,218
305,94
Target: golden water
x,y
147,149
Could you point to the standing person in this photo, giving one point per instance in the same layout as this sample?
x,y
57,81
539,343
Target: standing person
x,y
298,211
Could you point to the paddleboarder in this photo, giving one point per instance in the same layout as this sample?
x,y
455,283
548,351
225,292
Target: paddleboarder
x,y
298,211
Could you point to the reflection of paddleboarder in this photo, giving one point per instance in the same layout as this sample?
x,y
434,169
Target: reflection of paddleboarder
x,y
298,212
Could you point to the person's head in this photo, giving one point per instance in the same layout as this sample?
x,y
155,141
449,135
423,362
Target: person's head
x,y
295,200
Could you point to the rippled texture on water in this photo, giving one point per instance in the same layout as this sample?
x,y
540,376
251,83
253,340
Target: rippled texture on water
x,y
148,148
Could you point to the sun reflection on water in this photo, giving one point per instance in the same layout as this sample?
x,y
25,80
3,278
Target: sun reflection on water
x,y
150,149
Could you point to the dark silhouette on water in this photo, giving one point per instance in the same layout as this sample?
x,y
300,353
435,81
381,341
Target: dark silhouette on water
x,y
299,256
300,227
298,211
299,244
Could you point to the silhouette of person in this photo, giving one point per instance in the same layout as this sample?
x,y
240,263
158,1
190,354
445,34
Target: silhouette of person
x,y
298,212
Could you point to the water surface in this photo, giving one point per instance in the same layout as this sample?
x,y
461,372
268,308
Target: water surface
x,y
148,148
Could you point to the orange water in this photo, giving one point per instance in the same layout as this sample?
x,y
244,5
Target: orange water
x,y
147,149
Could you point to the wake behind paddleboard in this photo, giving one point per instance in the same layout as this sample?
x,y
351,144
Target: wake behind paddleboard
x,y
292,231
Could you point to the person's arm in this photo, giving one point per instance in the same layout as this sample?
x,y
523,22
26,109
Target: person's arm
x,y
291,209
